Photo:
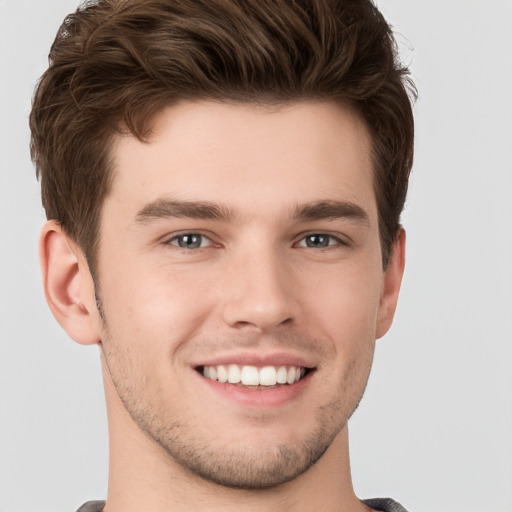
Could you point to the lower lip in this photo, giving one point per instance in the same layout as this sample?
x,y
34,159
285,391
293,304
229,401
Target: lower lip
x,y
259,397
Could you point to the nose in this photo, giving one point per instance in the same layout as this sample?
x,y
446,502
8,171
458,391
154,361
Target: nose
x,y
260,292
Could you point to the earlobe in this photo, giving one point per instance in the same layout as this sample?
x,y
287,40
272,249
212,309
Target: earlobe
x,y
391,288
67,284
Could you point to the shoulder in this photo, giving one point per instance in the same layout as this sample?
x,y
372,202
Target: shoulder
x,y
92,506
385,505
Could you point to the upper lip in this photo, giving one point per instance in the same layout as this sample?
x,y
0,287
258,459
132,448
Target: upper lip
x,y
257,359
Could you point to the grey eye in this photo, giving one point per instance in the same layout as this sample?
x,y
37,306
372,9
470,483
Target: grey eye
x,y
318,241
189,241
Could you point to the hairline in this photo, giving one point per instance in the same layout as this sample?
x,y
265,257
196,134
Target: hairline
x,y
266,101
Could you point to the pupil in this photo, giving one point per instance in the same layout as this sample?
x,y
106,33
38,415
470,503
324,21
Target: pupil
x,y
190,241
318,241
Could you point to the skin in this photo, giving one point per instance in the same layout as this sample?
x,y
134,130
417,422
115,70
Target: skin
x,y
274,278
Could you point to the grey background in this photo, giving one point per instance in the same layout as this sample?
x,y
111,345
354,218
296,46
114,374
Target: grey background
x,y
435,427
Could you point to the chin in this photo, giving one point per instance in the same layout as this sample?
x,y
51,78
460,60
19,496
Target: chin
x,y
249,468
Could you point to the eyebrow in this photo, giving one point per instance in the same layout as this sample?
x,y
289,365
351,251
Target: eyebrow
x,y
325,210
165,208
205,210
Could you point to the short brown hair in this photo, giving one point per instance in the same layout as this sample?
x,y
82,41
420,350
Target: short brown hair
x,y
115,63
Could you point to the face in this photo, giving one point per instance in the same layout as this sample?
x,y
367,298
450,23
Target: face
x,y
240,282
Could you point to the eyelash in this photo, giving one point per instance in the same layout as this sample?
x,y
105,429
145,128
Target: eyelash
x,y
333,241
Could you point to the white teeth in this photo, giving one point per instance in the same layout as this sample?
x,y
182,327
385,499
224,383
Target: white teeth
x,y
282,375
253,376
233,374
222,373
250,376
268,376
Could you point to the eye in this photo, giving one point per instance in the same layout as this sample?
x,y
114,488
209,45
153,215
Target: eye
x,y
190,241
319,241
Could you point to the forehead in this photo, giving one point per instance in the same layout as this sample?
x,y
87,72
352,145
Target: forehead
x,y
250,157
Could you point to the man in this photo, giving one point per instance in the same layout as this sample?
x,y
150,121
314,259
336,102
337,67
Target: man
x,y
223,182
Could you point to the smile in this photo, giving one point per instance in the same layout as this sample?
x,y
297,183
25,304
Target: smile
x,y
247,375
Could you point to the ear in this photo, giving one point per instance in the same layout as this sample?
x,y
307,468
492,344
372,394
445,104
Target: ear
x,y
392,281
68,284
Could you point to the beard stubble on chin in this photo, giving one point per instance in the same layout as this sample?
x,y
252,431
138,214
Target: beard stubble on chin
x,y
234,466
237,466
231,465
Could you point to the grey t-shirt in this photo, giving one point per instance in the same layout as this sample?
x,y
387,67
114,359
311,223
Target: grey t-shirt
x,y
382,504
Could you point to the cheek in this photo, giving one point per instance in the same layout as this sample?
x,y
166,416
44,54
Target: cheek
x,y
345,301
155,305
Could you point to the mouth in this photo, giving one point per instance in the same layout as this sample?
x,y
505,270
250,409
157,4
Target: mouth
x,y
254,377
